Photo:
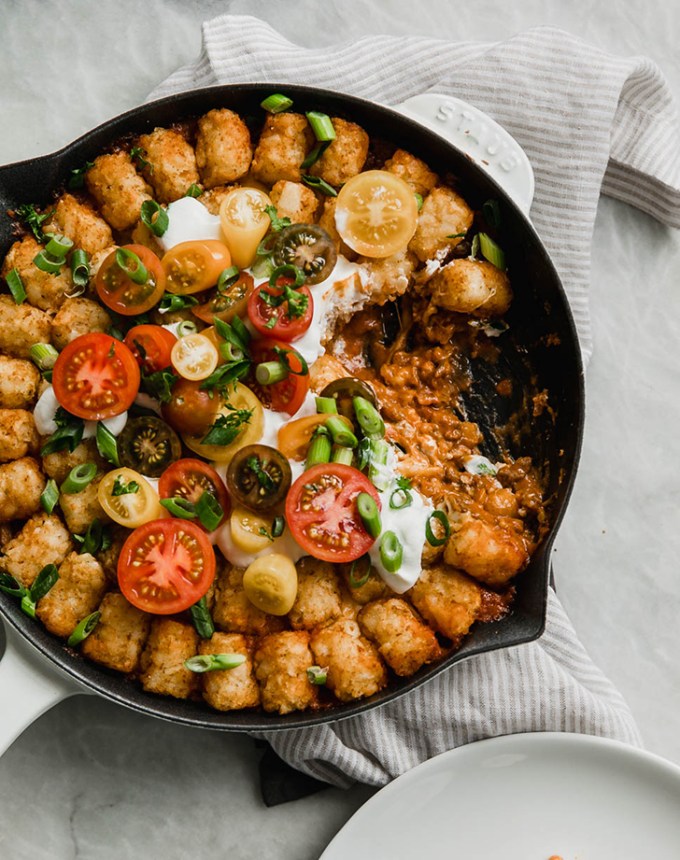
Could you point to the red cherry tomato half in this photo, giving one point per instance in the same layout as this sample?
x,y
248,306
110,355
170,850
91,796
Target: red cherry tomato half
x,y
151,345
289,394
283,320
95,377
321,512
166,566
120,292
189,479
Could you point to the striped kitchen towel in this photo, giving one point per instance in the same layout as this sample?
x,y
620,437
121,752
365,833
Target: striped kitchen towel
x,y
590,123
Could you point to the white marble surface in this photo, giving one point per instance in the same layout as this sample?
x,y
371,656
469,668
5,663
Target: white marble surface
x,y
92,780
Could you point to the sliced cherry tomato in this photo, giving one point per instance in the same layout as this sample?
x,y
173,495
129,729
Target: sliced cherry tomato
x,y
227,303
250,532
189,479
151,345
295,436
148,445
166,566
128,498
240,402
376,213
194,356
309,247
259,477
322,515
191,267
289,394
281,311
120,292
244,222
95,377
191,409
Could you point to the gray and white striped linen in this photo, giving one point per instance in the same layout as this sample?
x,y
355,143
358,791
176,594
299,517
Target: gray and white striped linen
x,y
590,122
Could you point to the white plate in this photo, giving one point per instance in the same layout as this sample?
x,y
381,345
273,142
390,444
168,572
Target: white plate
x,y
523,797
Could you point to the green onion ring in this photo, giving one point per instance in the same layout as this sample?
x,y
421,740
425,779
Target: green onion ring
x,y
78,478
400,498
287,271
357,582
202,619
58,246
442,519
83,629
154,217
133,267
391,552
369,513
47,264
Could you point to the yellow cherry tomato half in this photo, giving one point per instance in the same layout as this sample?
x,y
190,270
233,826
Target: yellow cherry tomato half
x,y
243,413
250,531
376,213
294,437
194,356
128,498
271,583
191,267
244,223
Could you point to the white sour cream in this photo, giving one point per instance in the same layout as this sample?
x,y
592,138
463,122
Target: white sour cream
x,y
286,545
46,409
189,221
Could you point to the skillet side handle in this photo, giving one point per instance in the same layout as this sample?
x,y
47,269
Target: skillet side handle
x,y
28,688
481,138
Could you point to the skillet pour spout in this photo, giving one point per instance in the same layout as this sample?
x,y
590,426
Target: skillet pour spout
x,y
539,353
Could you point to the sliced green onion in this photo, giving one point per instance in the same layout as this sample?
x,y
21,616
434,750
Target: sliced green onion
x,y
442,519
316,183
77,178
356,580
317,676
342,455
193,190
41,585
80,268
321,124
315,153
154,217
271,372
47,264
492,213
58,246
78,478
369,418
227,278
419,200
229,352
180,507
491,251
287,271
340,432
9,585
16,286
211,662
379,477
28,605
202,619
276,103
50,496
97,538
391,552
262,267
278,525
401,498
186,327
106,444
170,303
44,355
326,406
209,511
241,332
474,248
320,448
133,267
83,629
369,513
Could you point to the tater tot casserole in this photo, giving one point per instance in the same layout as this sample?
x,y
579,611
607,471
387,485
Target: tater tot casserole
x,y
234,466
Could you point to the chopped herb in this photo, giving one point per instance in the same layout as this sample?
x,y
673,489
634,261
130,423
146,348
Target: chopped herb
x,y
297,302
170,303
202,619
193,190
120,488
226,375
316,183
106,443
277,223
263,478
227,427
138,154
30,596
316,675
456,235
96,539
33,219
492,213
158,384
265,533
67,436
77,177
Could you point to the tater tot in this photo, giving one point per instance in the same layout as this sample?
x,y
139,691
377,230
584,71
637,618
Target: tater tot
x,y
444,214
318,596
295,201
21,485
346,155
76,594
212,199
389,277
471,287
118,189
21,326
281,663
44,539
79,509
78,316
233,612
230,689
162,667
327,221
447,599
19,381
43,289
372,589
490,553
119,637
60,463
78,220
223,150
403,641
18,436
413,171
284,142
354,666
171,163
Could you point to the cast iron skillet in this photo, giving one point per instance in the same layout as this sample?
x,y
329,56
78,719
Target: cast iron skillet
x,y
540,353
